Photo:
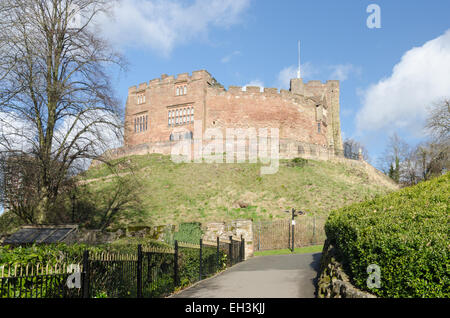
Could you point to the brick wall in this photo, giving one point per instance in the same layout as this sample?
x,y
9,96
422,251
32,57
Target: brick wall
x,y
297,113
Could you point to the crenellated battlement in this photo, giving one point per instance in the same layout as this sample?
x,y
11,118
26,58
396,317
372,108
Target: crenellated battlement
x,y
267,92
170,79
307,111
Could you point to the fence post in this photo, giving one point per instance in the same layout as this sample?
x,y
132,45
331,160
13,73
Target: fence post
x,y
242,248
86,274
314,230
139,272
218,255
175,265
200,261
289,240
230,250
293,232
259,235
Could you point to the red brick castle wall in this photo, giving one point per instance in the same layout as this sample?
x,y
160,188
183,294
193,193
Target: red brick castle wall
x,y
307,115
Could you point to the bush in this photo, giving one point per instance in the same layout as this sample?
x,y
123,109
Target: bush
x,y
189,264
189,233
67,253
298,162
405,233
43,254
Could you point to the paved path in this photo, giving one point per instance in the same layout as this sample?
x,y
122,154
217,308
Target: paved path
x,y
275,276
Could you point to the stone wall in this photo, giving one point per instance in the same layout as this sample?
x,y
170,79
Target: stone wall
x,y
235,228
212,230
104,237
297,112
332,282
288,149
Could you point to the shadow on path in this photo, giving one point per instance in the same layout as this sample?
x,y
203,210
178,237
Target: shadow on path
x,y
274,276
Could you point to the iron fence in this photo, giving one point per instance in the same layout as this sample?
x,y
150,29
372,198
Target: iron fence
x,y
277,234
149,272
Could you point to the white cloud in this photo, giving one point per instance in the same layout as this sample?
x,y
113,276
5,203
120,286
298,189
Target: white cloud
x,y
227,58
257,82
18,134
342,72
162,25
290,72
400,101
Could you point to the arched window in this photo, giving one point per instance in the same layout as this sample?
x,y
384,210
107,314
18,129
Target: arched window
x,y
185,89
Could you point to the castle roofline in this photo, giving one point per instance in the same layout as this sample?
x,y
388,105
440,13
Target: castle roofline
x,y
166,79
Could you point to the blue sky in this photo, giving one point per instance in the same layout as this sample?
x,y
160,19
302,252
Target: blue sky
x,y
386,82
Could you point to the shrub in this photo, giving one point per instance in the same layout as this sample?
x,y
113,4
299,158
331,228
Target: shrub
x,y
189,233
405,233
189,264
298,162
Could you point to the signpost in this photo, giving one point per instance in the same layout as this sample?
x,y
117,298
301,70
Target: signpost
x,y
294,214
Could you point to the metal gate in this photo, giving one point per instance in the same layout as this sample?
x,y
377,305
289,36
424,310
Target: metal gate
x,y
276,234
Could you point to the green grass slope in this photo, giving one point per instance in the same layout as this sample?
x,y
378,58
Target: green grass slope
x,y
405,233
173,193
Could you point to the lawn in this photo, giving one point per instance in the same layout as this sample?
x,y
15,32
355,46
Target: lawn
x,y
298,250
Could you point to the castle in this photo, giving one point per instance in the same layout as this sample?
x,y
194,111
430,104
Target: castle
x,y
307,115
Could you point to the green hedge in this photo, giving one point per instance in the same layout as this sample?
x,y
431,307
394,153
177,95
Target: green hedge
x,y
405,233
66,253
189,233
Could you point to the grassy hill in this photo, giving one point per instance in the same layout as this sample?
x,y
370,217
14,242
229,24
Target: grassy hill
x,y
173,193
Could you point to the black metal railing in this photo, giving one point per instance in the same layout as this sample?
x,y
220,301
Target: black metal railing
x,y
148,272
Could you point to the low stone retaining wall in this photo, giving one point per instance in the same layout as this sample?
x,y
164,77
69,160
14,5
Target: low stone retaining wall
x,y
332,282
223,230
234,228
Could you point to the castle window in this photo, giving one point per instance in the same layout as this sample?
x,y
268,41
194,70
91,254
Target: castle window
x,y
318,128
141,123
140,98
181,90
180,116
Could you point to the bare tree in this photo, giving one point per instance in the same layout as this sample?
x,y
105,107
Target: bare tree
x,y
56,100
352,148
438,120
395,153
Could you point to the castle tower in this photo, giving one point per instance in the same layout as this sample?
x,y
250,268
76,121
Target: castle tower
x,y
326,97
